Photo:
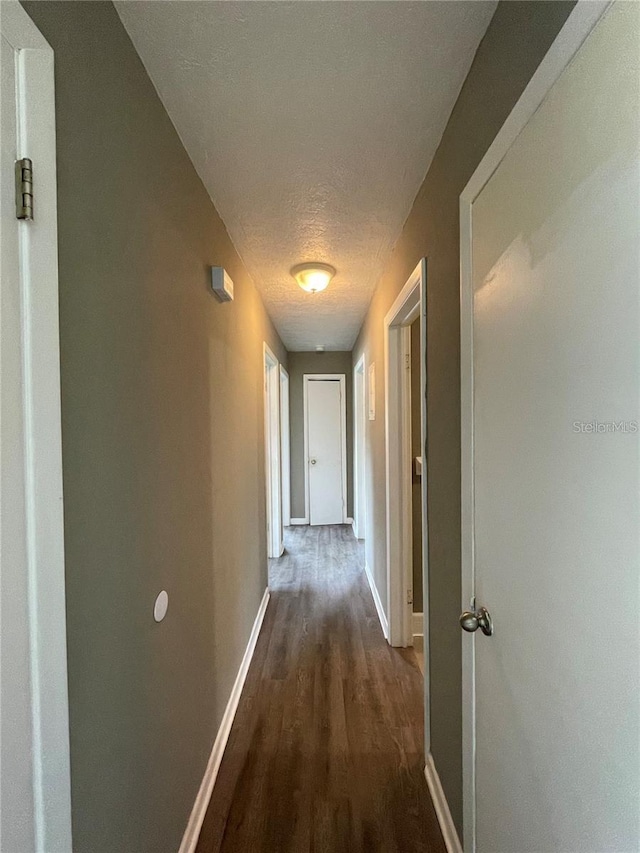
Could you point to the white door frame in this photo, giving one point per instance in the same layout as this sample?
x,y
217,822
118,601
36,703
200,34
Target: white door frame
x,y
359,465
275,544
285,435
409,306
51,806
310,377
577,27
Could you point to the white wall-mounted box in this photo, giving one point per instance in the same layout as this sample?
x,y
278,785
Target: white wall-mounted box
x,y
221,284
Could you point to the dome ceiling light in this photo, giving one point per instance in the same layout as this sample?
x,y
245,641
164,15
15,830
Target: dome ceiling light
x,y
313,277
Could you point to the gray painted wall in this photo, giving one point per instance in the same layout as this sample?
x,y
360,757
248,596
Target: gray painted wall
x,y
162,444
313,362
517,39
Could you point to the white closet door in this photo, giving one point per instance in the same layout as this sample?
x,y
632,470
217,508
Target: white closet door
x,y
325,440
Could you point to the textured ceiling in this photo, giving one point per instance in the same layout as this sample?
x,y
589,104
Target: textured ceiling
x,y
312,125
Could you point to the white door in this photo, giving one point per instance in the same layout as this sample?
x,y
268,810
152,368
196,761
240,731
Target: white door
x,y
554,530
325,439
35,812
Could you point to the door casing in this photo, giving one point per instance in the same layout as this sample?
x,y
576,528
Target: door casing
x,y
285,442
359,463
275,544
408,306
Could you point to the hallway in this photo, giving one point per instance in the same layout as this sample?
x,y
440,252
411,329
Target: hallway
x,y
326,750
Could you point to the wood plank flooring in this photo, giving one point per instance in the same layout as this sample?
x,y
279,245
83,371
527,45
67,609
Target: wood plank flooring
x,y
326,750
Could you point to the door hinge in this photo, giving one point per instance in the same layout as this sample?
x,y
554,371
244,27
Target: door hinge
x,y
24,189
409,596
407,360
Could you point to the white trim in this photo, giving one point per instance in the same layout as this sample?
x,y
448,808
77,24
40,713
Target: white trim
x,y
42,430
359,460
299,521
272,443
19,30
371,390
376,600
424,489
312,377
285,449
441,806
192,832
577,27
417,624
349,520
408,306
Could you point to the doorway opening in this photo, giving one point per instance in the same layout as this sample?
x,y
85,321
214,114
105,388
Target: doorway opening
x,y
275,539
417,616
325,447
402,463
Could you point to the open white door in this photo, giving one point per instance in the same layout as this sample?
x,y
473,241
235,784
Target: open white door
x,y
35,780
551,453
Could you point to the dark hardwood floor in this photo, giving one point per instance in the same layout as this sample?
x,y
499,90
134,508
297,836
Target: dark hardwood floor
x,y
326,750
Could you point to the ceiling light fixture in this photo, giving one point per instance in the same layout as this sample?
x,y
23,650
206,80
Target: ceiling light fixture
x,y
313,277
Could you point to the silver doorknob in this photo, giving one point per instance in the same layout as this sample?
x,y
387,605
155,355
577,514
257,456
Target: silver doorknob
x,y
312,461
471,620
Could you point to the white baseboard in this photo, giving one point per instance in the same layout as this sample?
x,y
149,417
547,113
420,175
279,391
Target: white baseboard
x,y
417,624
192,832
299,521
447,827
377,602
349,520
